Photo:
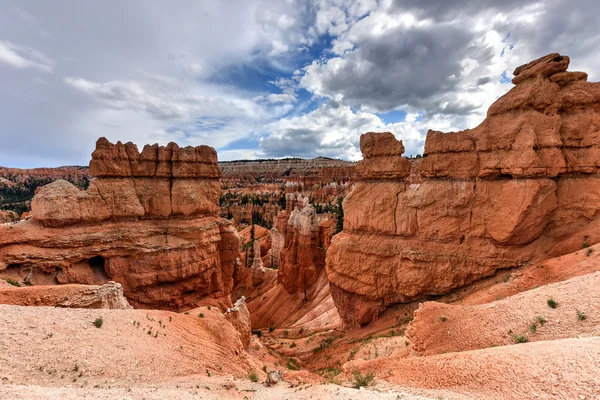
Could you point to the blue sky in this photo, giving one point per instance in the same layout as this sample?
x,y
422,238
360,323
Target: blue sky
x,y
265,78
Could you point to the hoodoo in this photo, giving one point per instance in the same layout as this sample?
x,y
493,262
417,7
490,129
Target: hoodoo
x,y
148,220
521,187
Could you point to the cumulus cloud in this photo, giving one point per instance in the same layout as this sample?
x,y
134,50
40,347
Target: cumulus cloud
x,y
266,77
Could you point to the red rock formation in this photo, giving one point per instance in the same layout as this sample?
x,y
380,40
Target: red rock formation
x,y
109,295
301,296
513,190
148,221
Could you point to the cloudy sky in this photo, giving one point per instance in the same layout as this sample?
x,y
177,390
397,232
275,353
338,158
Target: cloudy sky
x,y
265,78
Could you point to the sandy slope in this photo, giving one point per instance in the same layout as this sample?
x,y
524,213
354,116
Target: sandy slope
x,y
559,369
442,328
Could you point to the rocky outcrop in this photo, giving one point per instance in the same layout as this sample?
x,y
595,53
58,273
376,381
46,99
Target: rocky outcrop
x,y
509,192
148,221
302,259
239,316
109,296
301,295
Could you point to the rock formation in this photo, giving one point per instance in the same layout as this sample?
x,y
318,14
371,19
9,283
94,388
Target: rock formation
x,y
148,221
301,296
518,188
239,316
109,296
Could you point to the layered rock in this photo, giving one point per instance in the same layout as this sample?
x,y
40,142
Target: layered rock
x,y
148,221
108,296
301,295
497,196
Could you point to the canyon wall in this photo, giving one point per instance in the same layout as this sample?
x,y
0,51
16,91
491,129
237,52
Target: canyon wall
x,y
148,220
521,187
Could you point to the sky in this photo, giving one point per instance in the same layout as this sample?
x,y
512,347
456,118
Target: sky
x,y
266,78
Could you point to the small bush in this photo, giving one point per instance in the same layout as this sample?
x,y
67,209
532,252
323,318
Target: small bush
x,y
98,322
257,332
301,331
589,252
286,332
580,315
264,368
533,327
520,338
292,345
443,319
293,364
207,373
253,376
187,313
14,283
552,303
585,245
541,320
271,329
201,315
360,380
209,307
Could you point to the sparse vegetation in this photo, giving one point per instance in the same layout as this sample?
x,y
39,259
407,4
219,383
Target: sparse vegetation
x,y
292,345
533,327
253,376
257,332
293,364
271,329
359,380
580,315
589,252
208,307
552,303
519,338
443,319
14,283
541,320
207,373
201,315
98,322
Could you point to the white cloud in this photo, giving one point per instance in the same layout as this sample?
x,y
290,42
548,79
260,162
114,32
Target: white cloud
x,y
23,57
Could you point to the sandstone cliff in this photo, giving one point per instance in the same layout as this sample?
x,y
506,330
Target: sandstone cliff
x,y
148,221
519,188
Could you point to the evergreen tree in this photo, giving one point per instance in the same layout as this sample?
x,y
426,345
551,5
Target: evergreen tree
x,y
339,226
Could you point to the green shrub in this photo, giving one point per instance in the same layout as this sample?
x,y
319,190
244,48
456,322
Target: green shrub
x,y
541,320
98,322
443,319
271,329
292,345
293,364
533,327
552,303
360,380
580,315
520,338
201,315
253,376
14,283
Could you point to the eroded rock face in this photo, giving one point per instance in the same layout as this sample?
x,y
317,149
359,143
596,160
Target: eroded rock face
x,y
109,296
500,195
148,221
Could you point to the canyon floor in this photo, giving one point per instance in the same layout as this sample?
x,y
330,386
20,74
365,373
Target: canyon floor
x,y
467,347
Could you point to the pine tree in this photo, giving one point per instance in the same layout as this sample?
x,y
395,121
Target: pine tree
x,y
339,226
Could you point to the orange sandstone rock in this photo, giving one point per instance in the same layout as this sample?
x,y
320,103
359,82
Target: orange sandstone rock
x,y
503,194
